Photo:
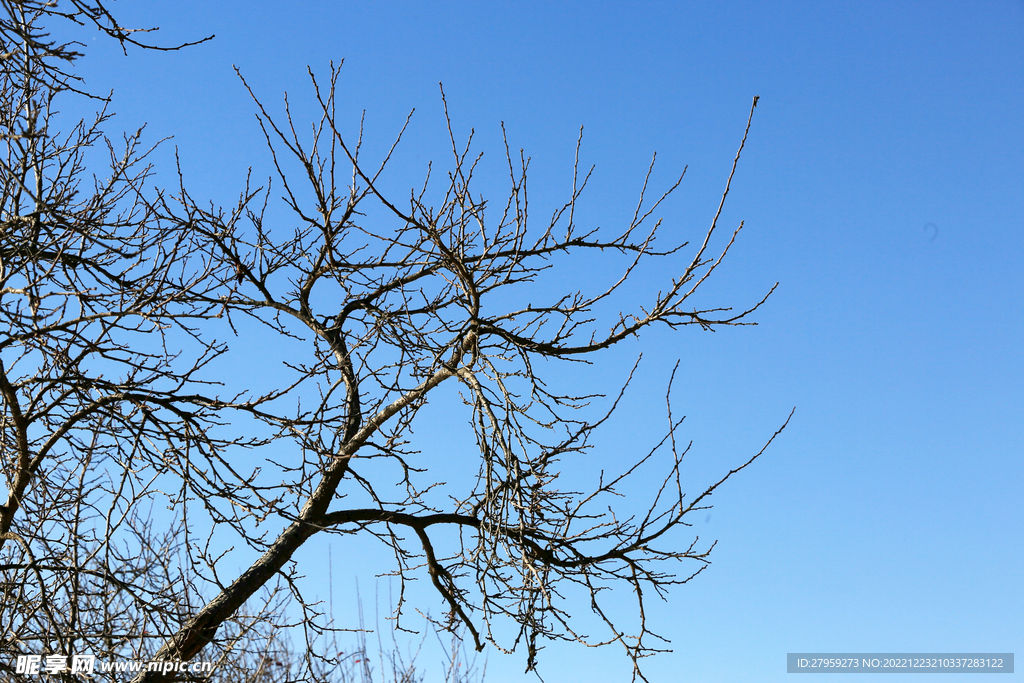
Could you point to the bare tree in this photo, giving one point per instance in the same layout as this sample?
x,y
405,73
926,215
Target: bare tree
x,y
119,399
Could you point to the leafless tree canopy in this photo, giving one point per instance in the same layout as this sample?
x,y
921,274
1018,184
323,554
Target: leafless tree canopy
x,y
135,450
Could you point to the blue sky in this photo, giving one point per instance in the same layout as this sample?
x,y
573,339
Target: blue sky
x,y
881,187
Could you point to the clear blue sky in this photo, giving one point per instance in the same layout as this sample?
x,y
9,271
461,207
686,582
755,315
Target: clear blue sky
x,y
882,186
